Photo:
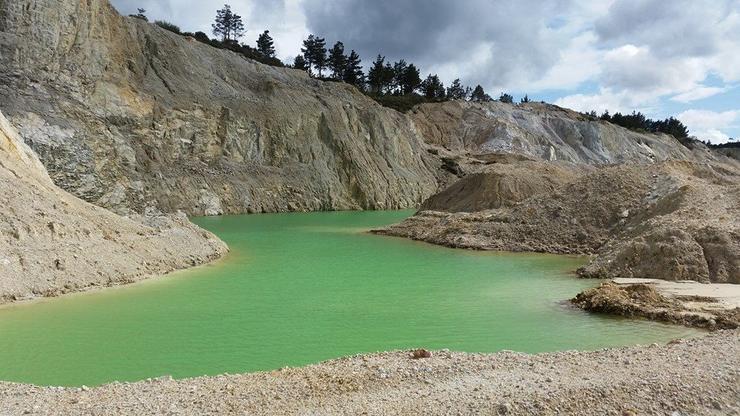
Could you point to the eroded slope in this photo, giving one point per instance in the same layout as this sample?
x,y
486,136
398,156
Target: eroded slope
x,y
128,116
541,131
52,243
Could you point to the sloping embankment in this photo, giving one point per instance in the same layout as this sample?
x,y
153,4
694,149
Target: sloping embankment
x,y
53,243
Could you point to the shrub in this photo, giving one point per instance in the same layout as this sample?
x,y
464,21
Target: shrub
x,y
201,37
168,26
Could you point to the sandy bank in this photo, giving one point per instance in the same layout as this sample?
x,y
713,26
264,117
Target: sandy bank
x,y
698,377
703,305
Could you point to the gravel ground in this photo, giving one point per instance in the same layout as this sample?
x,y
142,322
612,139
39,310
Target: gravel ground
x,y
687,377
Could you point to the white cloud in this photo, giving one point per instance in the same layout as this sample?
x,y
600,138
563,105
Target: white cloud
x,y
697,93
569,71
611,100
709,125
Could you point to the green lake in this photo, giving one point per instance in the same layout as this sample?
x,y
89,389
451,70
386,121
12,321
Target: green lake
x,y
302,288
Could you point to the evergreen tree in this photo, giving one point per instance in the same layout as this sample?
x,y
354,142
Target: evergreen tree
x,y
309,46
506,98
300,63
388,74
314,50
456,91
673,127
525,99
228,25
353,71
337,61
375,77
479,94
410,80
432,87
399,75
265,44
319,54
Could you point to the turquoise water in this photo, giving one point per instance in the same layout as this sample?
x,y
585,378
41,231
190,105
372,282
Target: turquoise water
x,y
301,288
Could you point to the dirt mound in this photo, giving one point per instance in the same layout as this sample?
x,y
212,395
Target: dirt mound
x,y
501,185
670,220
53,243
643,300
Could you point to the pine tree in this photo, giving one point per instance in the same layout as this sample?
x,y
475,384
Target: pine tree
x,y
525,99
432,87
411,79
399,74
337,61
265,44
374,75
228,25
456,91
319,54
506,98
388,75
300,63
309,45
353,70
479,94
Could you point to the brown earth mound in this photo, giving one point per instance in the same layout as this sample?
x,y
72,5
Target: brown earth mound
x,y
670,220
502,185
643,300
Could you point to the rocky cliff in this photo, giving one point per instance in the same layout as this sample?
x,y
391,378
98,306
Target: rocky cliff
x,y
128,116
52,242
540,131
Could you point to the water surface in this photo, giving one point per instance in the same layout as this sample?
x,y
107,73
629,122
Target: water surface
x,y
301,288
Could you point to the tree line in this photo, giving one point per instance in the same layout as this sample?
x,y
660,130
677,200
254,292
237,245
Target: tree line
x,y
393,84
641,123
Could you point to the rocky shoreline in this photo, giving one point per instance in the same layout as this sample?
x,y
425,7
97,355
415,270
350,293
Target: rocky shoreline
x,y
695,376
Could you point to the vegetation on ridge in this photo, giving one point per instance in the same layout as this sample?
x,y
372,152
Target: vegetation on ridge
x,y
397,85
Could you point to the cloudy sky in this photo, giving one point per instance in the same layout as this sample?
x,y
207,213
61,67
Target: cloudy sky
x,y
661,57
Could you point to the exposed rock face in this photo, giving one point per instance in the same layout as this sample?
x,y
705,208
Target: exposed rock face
x,y
669,220
541,131
52,242
127,115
